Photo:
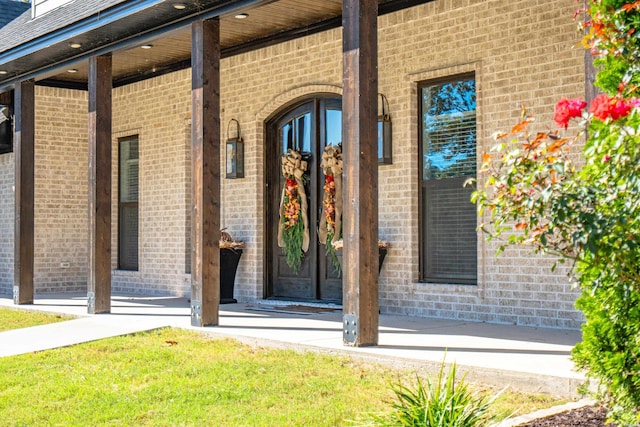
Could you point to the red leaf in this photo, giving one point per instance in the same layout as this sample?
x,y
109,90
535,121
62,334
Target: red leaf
x,y
556,145
536,142
521,126
631,6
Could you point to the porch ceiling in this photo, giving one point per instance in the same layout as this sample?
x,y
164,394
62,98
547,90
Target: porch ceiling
x,y
167,31
264,20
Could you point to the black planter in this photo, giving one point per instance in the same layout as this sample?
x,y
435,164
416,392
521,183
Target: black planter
x,y
229,259
382,252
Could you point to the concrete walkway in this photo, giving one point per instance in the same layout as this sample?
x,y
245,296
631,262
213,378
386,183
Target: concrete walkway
x,y
527,359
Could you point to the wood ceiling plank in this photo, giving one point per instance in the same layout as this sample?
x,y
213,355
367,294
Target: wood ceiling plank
x,y
263,22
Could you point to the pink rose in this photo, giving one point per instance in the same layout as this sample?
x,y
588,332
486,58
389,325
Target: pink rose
x,y
603,107
600,107
567,109
620,109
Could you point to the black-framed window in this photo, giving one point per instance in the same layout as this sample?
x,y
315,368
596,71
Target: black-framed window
x,y
6,129
128,203
448,220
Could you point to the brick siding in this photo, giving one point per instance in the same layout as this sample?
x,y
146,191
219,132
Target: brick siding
x,y
60,212
61,165
6,222
522,52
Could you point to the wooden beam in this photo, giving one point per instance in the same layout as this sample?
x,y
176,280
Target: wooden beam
x,y
590,89
205,164
100,112
359,136
590,72
24,141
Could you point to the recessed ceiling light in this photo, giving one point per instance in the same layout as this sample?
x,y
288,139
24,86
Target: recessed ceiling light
x,y
242,15
179,6
72,70
3,72
75,45
146,46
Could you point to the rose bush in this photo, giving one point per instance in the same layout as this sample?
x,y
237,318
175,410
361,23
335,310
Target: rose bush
x,y
589,215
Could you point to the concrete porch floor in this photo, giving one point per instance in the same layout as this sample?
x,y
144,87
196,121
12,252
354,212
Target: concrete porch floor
x,y
523,358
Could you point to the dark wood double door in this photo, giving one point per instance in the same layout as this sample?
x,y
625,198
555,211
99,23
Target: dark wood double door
x,y
306,127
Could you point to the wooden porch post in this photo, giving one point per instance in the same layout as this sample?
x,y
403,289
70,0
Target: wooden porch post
x,y
24,141
99,280
205,164
359,136
590,89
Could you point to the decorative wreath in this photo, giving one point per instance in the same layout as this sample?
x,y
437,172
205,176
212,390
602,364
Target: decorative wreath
x,y
293,229
330,229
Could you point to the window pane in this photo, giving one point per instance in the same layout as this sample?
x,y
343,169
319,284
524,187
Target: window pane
x,y
334,127
380,141
449,232
286,137
303,131
296,134
448,224
129,170
128,204
128,242
6,133
449,130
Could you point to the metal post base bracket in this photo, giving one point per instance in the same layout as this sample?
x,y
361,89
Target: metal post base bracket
x,y
196,313
349,329
91,302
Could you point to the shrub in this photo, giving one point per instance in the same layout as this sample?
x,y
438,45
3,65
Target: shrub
x,y
590,215
442,402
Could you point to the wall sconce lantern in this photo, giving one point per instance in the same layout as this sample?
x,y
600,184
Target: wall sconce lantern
x,y
384,134
235,154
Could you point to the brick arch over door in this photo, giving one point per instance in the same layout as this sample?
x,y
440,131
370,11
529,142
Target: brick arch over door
x,y
289,97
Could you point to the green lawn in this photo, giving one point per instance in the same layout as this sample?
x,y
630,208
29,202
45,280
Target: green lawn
x,y
177,377
16,319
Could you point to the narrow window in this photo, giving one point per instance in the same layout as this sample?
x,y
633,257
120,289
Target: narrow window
x,y
128,203
6,127
448,251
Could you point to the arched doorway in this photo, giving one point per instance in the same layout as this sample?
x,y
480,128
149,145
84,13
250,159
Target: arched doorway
x,y
306,126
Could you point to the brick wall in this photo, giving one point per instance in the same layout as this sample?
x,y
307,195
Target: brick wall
x,y
521,52
254,87
6,223
158,111
60,212
61,165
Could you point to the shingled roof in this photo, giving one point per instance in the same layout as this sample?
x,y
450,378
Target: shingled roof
x,y
24,29
10,10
